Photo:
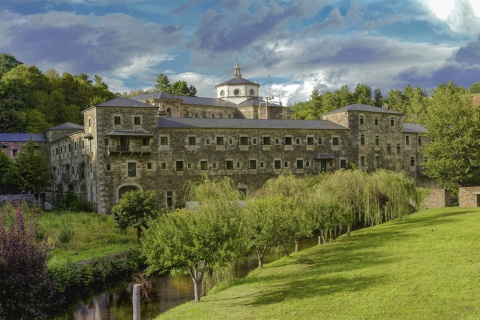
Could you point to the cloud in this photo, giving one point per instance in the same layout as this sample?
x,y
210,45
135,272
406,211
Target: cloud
x,y
86,43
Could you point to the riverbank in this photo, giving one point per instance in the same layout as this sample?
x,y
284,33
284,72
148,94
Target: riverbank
x,y
425,266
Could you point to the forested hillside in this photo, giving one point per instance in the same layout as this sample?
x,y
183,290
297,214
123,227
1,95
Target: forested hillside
x,y
32,101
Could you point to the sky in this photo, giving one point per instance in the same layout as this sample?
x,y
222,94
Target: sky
x,y
289,47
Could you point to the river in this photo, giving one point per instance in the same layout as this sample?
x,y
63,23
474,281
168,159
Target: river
x,y
168,292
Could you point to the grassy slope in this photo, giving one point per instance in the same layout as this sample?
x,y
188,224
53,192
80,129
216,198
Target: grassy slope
x,y
95,235
426,266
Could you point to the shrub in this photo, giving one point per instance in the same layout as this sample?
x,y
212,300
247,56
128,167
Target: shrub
x,y
26,290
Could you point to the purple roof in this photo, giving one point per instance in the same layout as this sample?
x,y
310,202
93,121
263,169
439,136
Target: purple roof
x,y
22,137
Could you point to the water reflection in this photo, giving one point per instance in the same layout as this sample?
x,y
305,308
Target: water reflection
x,y
168,292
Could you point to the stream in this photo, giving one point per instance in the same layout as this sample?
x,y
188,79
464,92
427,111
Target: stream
x,y
168,292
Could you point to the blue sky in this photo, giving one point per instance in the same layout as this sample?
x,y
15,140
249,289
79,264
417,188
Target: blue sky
x,y
290,47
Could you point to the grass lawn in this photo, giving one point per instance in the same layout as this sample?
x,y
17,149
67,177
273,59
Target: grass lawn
x,y
426,266
94,235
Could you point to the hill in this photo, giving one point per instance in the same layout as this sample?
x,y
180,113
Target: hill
x,y
425,266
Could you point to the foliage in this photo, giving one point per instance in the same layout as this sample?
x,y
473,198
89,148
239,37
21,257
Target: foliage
x,y
178,88
134,209
66,233
32,101
29,173
453,127
391,266
198,240
26,291
6,165
474,88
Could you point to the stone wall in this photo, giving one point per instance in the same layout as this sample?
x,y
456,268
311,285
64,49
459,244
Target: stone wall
x,y
438,198
18,198
469,197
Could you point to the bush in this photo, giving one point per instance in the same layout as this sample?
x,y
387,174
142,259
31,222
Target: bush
x,y
26,290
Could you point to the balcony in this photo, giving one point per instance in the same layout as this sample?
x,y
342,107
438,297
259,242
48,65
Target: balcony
x,y
128,149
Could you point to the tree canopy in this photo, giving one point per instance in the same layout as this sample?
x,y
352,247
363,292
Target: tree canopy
x,y
178,88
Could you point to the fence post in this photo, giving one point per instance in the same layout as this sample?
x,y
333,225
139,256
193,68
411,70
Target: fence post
x,y
136,301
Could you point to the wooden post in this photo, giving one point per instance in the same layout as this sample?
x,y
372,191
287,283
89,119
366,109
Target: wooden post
x,y
136,301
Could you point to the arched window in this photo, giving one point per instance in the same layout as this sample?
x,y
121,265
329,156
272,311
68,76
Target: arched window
x,y
125,189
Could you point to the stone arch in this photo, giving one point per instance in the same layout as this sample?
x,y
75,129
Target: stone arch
x,y
127,187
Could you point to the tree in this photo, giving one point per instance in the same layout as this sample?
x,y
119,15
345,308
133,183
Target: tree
x,y
162,83
6,164
453,128
26,288
377,98
197,240
362,94
7,63
32,169
134,209
474,88
178,88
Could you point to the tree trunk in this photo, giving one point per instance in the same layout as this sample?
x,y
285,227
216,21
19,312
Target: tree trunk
x,y
349,228
285,250
296,246
260,263
197,283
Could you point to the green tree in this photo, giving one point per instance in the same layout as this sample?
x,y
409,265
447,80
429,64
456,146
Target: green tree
x,y
162,83
6,165
134,209
377,98
31,169
474,88
200,239
178,88
362,94
453,128
7,63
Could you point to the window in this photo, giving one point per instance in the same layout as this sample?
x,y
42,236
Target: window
x,y
207,141
109,167
412,161
203,165
254,141
136,120
361,120
214,165
89,122
376,161
377,140
335,141
145,141
299,164
117,120
220,141
252,164
419,140
244,141
343,163
376,121
179,165
287,140
163,166
297,141
309,141
189,166
407,140
229,164
389,148
266,141
277,164
320,141
392,121
105,141
191,141
398,148
362,139
163,141
149,166
132,169
169,198
362,161
285,164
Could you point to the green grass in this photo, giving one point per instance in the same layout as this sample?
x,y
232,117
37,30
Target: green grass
x,y
94,236
426,266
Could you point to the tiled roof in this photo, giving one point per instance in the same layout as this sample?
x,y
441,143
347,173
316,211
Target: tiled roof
x,y
236,81
199,101
363,108
124,102
67,126
208,123
413,128
22,137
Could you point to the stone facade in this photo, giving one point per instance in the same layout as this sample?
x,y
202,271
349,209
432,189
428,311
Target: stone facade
x,y
438,198
162,142
469,197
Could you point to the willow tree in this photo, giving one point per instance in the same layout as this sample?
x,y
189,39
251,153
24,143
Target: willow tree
x,y
198,240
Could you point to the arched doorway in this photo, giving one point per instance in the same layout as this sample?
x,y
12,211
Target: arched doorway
x,y
124,189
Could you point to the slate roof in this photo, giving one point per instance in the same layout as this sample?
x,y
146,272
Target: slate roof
x,y
238,80
67,126
124,102
413,128
208,123
131,133
199,101
363,108
22,137
255,102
